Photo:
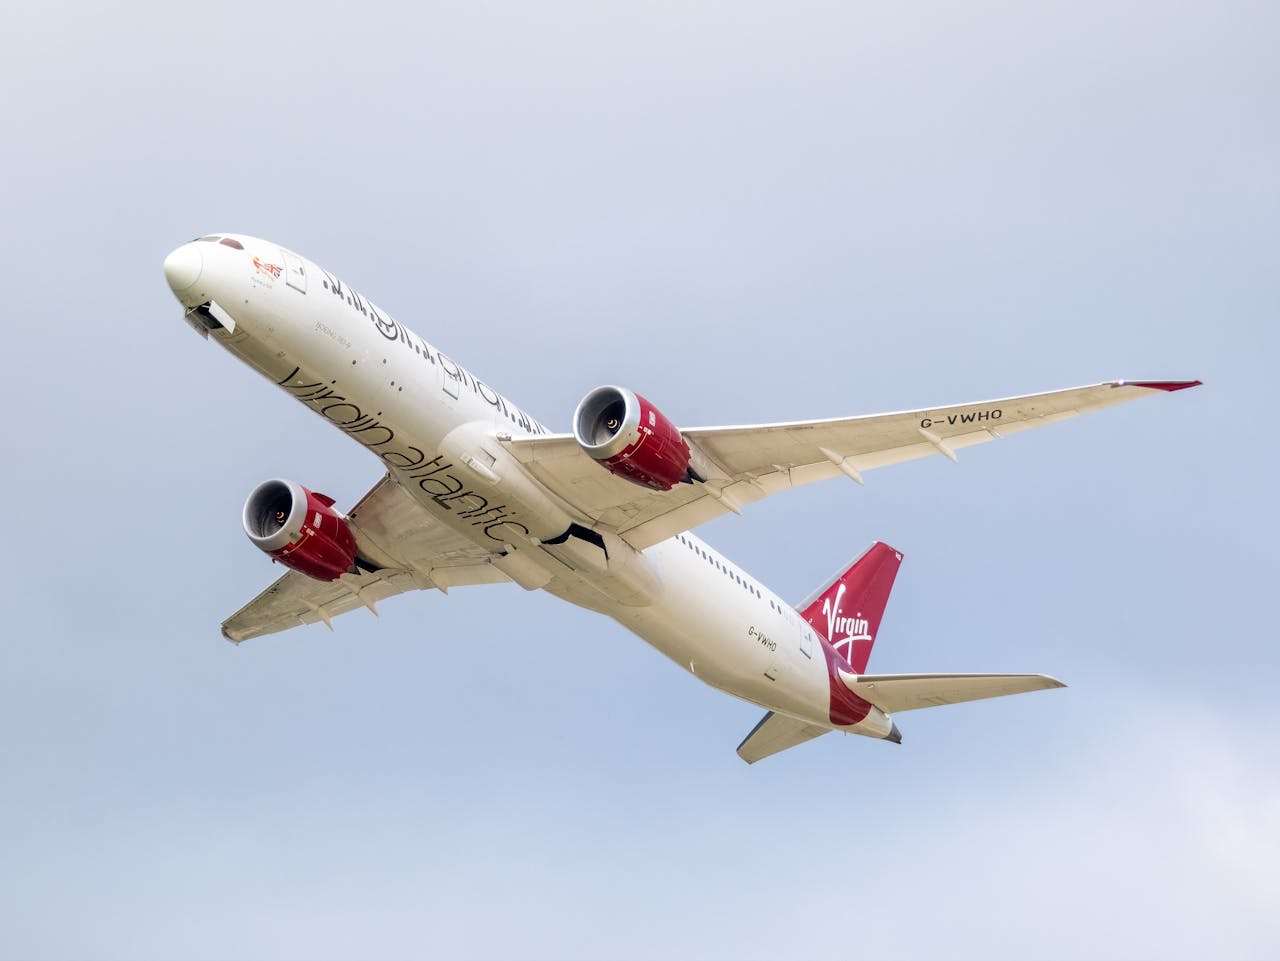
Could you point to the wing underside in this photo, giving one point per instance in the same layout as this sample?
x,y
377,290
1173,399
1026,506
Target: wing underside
x,y
402,546
746,464
405,549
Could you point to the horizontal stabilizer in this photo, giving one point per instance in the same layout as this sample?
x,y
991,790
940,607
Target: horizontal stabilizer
x,y
774,733
909,692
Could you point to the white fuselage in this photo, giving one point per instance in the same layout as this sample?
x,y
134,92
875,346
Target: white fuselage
x,y
437,429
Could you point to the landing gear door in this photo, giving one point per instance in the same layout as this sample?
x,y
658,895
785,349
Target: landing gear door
x,y
295,272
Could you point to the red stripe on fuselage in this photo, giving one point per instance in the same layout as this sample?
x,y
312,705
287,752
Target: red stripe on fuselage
x,y
846,707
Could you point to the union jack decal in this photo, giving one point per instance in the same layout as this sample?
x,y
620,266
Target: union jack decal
x,y
271,270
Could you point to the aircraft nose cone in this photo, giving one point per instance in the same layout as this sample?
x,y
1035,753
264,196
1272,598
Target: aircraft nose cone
x,y
182,267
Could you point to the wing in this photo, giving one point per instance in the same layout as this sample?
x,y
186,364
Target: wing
x,y
409,548
893,693
746,464
774,733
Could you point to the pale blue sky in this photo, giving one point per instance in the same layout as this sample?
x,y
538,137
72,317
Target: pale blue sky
x,y
748,212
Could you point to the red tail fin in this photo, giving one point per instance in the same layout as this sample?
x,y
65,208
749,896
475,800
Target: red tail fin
x,y
848,610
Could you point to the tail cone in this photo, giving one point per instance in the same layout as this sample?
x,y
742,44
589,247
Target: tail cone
x,y
894,734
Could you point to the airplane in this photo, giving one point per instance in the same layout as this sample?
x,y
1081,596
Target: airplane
x,y
476,491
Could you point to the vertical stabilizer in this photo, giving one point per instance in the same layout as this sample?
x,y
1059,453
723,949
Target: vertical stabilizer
x,y
847,611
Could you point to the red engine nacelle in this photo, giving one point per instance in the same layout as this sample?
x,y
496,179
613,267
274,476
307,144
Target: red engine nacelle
x,y
300,530
631,438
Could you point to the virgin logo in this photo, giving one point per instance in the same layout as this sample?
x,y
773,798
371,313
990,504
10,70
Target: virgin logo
x,y
853,628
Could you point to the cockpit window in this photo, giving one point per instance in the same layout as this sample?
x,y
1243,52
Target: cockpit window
x,y
212,238
231,243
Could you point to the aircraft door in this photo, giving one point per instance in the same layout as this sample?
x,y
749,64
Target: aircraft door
x,y
450,379
295,272
772,656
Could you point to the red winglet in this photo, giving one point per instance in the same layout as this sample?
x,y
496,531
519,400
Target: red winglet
x,y
1166,385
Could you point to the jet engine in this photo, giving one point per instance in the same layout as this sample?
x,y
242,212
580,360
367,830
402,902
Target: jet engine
x,y
300,529
631,438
